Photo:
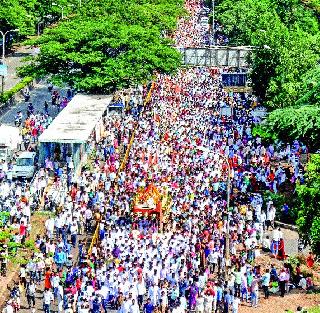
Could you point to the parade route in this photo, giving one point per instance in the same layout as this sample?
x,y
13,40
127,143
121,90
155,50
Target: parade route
x,y
165,203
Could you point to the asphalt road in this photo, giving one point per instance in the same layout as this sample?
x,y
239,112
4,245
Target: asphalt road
x,y
39,95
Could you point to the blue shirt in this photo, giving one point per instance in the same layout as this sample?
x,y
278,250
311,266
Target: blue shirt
x,y
219,294
227,299
148,308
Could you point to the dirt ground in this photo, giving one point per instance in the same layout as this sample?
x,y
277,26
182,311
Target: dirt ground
x,y
276,304
37,221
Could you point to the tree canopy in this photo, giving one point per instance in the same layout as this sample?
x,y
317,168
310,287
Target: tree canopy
x,y
26,14
291,33
302,123
111,44
285,66
309,205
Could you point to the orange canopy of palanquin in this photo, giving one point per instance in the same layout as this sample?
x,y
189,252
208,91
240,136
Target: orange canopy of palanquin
x,y
151,191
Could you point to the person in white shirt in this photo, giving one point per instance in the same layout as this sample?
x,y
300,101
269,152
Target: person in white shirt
x,y
235,305
275,241
134,307
303,283
213,260
74,232
47,299
49,224
200,304
266,244
9,307
153,294
208,301
69,309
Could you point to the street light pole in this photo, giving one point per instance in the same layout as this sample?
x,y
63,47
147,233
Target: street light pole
x,y
227,251
3,45
4,41
4,49
3,54
61,7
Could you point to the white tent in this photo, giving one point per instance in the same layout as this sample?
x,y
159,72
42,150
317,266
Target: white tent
x,y
76,122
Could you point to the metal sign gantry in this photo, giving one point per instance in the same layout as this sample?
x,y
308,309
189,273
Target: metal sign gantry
x,y
216,56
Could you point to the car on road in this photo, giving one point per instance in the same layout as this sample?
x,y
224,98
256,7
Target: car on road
x,y
25,166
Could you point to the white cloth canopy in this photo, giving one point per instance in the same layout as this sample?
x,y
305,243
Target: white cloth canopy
x,y
77,120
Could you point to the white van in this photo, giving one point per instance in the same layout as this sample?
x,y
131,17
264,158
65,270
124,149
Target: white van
x,y
25,165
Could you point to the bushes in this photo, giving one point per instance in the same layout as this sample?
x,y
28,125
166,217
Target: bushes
x,y
4,235
264,133
4,216
7,95
30,244
308,205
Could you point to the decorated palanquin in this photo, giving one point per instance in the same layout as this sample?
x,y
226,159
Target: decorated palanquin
x,y
148,200
151,200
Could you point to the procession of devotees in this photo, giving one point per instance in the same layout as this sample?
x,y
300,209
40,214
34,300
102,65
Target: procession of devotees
x,y
201,254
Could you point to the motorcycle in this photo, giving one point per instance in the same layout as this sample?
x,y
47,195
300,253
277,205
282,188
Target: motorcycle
x,y
26,96
18,119
3,268
30,108
301,245
18,122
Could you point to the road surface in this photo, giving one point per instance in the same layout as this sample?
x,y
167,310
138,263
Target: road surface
x,y
39,95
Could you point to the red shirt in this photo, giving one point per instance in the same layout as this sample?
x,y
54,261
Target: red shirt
x,y
22,230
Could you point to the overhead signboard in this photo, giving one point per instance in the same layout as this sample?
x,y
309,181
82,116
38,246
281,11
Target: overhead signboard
x,y
3,70
216,56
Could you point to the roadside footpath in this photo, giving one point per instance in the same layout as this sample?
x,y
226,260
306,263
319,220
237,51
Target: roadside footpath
x,y
14,61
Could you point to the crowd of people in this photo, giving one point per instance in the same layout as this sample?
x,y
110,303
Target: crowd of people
x,y
200,254
193,30
181,146
18,198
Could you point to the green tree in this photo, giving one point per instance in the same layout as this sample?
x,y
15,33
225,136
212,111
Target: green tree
x,y
313,4
292,123
310,88
309,205
287,41
14,15
111,44
26,14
